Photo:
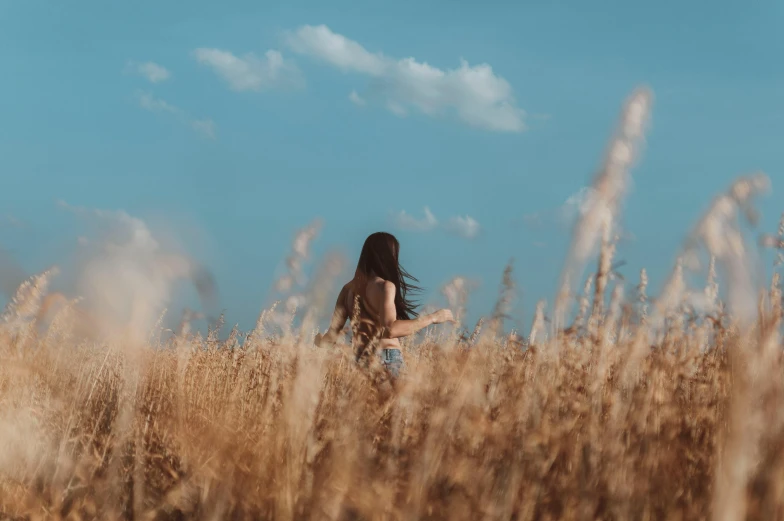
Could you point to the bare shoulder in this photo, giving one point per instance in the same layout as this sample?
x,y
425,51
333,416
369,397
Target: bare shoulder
x,y
389,288
379,289
345,293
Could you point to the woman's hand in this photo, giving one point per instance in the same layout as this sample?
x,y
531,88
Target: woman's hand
x,y
443,315
328,339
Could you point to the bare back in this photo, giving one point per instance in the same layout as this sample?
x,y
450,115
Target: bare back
x,y
371,301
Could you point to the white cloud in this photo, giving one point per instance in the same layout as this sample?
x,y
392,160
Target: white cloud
x,y
586,200
397,109
205,127
564,215
149,102
11,222
152,71
250,72
533,220
576,206
408,222
339,51
466,226
475,93
356,99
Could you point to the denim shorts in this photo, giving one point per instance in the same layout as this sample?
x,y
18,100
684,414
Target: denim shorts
x,y
392,360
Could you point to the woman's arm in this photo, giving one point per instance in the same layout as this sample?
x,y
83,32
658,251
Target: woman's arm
x,y
339,317
400,328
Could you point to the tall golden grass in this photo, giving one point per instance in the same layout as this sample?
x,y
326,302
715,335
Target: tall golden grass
x,y
622,407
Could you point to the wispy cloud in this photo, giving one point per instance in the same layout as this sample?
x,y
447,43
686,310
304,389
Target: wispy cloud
x,y
152,71
249,72
9,221
356,99
205,127
475,93
578,204
406,221
149,102
464,226
562,215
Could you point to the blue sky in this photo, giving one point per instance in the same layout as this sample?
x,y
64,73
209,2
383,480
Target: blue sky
x,y
250,124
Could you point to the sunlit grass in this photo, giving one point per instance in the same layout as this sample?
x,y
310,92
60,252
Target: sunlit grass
x,y
618,406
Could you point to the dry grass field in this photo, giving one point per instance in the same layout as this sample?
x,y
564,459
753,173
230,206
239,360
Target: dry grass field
x,y
618,405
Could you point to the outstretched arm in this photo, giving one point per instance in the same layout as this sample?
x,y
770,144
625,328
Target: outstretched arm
x,y
399,328
339,317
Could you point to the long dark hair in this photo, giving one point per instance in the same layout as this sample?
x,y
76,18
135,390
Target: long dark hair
x,y
380,257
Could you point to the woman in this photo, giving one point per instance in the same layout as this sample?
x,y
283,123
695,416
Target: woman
x,y
380,288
